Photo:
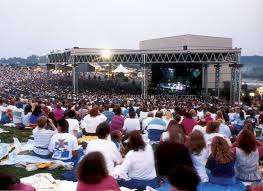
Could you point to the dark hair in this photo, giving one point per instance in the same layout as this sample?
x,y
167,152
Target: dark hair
x,y
115,135
136,141
103,129
37,111
184,178
177,118
117,110
169,155
28,109
197,142
63,124
246,141
188,115
7,180
242,115
92,168
132,114
71,113
159,114
212,127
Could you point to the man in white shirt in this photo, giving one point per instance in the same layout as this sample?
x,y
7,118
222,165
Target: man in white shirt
x,y
106,147
131,123
42,137
63,145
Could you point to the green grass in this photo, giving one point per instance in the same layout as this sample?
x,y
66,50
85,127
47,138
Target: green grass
x,y
23,136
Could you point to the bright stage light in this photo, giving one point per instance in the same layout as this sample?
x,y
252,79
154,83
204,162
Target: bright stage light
x,y
106,54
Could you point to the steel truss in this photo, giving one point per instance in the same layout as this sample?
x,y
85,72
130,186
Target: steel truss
x,y
145,58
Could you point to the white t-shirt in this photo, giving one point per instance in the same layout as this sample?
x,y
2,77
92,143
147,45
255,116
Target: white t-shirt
x,y
200,128
131,124
90,123
224,130
25,118
2,110
73,125
17,115
62,145
12,107
143,115
42,138
108,150
199,162
138,165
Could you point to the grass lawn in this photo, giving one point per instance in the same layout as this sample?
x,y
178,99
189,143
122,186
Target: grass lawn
x,y
22,136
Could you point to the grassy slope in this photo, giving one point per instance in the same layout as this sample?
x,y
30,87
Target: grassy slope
x,y
23,136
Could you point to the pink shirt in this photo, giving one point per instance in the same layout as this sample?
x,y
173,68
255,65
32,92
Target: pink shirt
x,y
58,114
188,125
107,184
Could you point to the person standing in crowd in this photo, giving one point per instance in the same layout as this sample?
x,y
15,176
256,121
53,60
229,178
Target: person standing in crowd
x,y
63,145
91,121
188,123
42,137
138,168
131,123
117,120
93,175
107,148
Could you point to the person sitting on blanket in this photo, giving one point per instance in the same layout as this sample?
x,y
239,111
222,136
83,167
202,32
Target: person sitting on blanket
x,y
63,145
42,137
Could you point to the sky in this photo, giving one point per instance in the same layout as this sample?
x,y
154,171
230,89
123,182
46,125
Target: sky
x,y
39,26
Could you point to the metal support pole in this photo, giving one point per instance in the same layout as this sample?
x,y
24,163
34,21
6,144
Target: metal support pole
x,y
232,84
238,79
205,66
217,79
144,85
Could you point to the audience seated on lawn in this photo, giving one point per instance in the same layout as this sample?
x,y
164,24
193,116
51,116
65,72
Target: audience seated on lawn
x,y
93,174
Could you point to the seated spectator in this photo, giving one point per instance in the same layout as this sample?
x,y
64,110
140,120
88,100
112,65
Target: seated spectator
x,y
107,148
91,121
221,163
63,145
17,115
37,112
156,127
143,113
2,108
116,138
199,154
168,117
72,122
188,123
183,178
26,115
93,174
224,129
109,114
208,117
117,120
147,120
247,154
170,155
58,111
42,137
174,133
138,168
9,182
131,123
201,126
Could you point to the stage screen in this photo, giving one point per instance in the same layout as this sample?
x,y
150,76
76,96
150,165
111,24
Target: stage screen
x,y
177,77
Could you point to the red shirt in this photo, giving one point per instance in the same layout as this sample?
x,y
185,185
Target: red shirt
x,y
188,125
107,184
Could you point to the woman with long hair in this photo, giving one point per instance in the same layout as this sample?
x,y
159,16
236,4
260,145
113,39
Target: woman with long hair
x,y
138,168
174,133
92,174
199,153
248,153
221,163
37,112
